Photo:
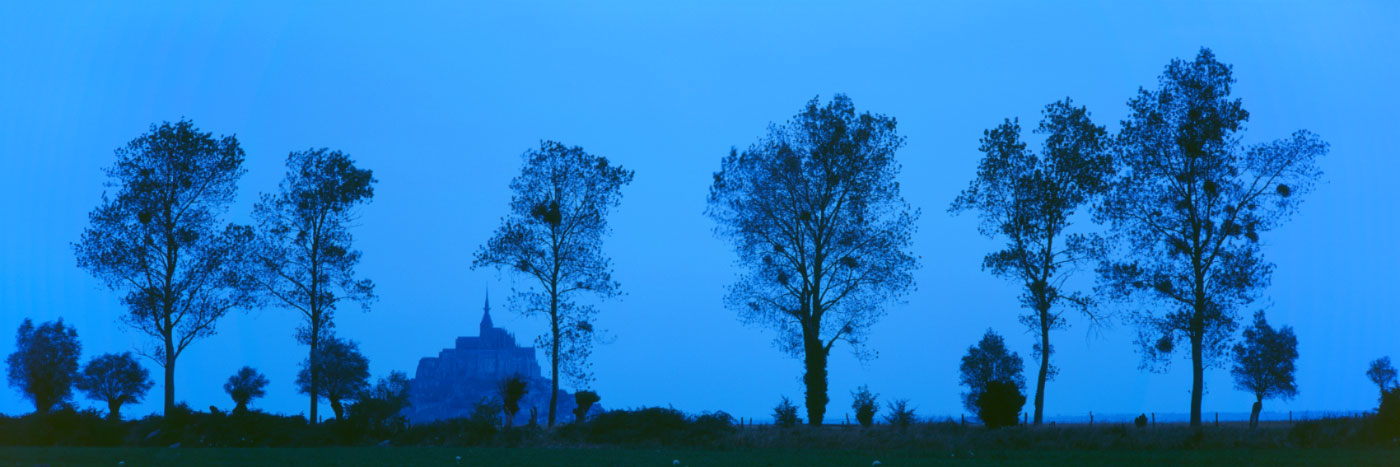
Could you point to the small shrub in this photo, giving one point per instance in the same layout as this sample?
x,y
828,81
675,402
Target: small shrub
x,y
482,425
711,426
865,405
785,414
1140,421
901,415
1000,404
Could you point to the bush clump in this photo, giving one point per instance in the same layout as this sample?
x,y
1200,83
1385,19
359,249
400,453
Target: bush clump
x,y
785,414
901,414
865,404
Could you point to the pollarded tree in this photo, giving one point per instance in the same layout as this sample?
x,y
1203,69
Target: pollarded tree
x,y
1264,364
45,363
244,386
512,390
303,258
116,379
1191,201
1028,199
1381,374
343,372
554,235
160,239
817,219
994,381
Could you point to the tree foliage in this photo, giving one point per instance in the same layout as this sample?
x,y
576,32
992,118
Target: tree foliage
x,y
44,364
817,220
343,371
116,379
512,389
554,234
244,386
304,259
865,404
583,402
1264,363
380,408
986,363
1191,201
1382,374
159,238
1028,199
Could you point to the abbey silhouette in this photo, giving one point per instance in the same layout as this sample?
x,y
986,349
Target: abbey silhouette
x,y
451,384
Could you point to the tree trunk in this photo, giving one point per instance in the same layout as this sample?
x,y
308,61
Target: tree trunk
x,y
169,374
554,357
114,409
814,377
1254,413
1197,380
311,369
337,408
1044,364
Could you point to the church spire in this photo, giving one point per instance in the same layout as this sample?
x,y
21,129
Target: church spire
x,y
486,315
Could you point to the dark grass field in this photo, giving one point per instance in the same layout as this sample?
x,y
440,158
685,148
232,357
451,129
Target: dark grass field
x,y
367,456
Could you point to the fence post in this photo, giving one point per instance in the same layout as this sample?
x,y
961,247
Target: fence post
x,y
1217,419
1091,418
1025,417
964,419
1154,419
1290,417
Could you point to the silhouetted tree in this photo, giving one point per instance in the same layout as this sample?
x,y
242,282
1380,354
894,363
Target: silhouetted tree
x,y
512,390
785,414
1381,374
865,404
160,239
554,234
1264,363
901,414
993,379
1029,198
303,258
1191,201
116,379
45,363
244,386
343,372
583,402
816,218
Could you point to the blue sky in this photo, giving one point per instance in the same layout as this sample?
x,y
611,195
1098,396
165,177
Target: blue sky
x,y
440,100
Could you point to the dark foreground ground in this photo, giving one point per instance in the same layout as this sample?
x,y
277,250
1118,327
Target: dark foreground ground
x,y
55,456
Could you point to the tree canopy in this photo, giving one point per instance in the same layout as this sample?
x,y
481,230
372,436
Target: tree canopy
x,y
44,364
116,379
1264,363
303,258
160,240
817,220
1191,201
1029,198
554,234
